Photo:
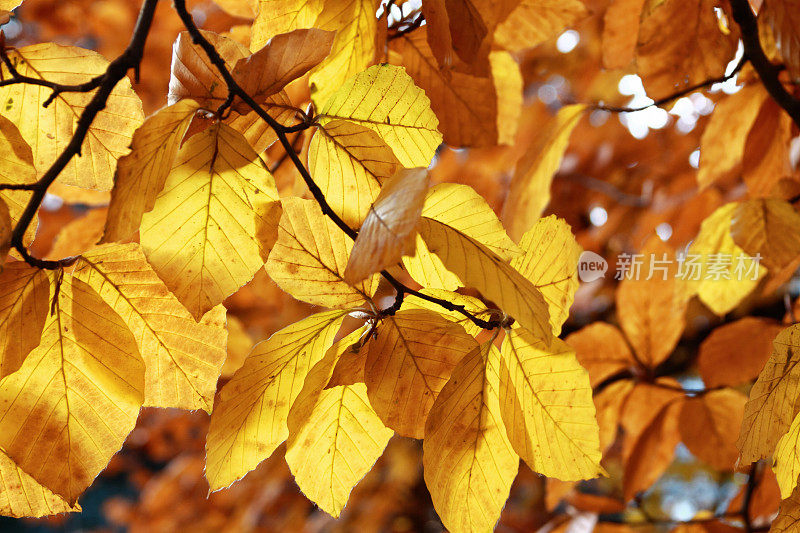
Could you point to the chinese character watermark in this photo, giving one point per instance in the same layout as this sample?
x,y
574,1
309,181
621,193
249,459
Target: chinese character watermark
x,y
686,266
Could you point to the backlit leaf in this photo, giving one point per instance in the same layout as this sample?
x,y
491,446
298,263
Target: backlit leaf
x,y
534,21
251,410
16,166
204,234
24,297
22,496
769,227
602,350
76,397
408,363
469,463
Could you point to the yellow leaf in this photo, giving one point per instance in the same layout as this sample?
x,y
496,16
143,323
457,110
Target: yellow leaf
x,y
353,48
22,496
389,231
6,228
203,236
285,58
408,363
550,262
469,463
723,141
282,16
384,99
534,21
334,434
774,399
652,311
478,267
713,243
620,30
183,357
602,350
76,397
508,85
680,45
309,258
24,298
239,8
239,346
472,305
349,162
142,173
466,105
16,166
786,459
709,426
769,227
788,518
529,192
48,129
250,412
546,404
460,207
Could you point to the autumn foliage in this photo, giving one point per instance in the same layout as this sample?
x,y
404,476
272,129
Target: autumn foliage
x,y
406,265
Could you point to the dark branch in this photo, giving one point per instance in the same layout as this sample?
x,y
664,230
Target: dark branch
x,y
281,131
667,99
116,70
406,27
767,71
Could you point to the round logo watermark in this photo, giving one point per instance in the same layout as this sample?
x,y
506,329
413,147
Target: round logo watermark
x,y
591,266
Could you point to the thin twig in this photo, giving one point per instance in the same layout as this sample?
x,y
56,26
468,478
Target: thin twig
x,y
409,27
116,70
281,131
674,96
767,71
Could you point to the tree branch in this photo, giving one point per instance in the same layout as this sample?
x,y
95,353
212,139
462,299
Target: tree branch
x,y
281,131
767,71
116,70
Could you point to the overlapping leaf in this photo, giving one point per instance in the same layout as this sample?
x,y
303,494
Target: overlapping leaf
x,y
24,298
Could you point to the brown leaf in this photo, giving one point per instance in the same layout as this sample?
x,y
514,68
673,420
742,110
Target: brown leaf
x,y
602,350
709,426
769,227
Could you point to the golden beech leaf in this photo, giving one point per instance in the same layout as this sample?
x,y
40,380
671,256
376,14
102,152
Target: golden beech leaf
x,y
285,58
349,162
214,220
529,191
408,363
546,405
48,129
620,30
239,8
653,451
767,160
183,358
353,48
460,207
469,463
467,105
16,167
782,16
472,305
774,399
383,98
735,353
609,403
282,16
142,173
550,262
250,412
709,426
737,278
21,496
533,22
681,44
786,459
334,434
240,344
652,311
478,267
645,402
389,231
769,227
76,397
6,227
309,258
80,235
24,298
602,350
788,518
723,142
